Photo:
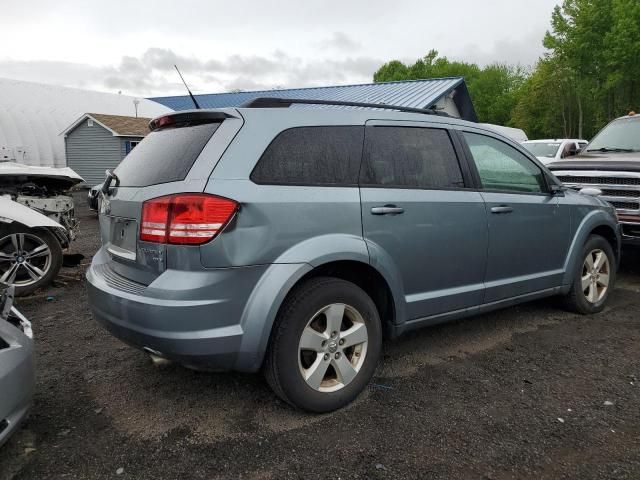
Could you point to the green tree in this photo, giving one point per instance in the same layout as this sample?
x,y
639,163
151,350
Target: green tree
x,y
493,89
622,59
589,75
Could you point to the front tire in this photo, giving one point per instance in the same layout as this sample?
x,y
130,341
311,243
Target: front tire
x,y
325,345
593,277
30,258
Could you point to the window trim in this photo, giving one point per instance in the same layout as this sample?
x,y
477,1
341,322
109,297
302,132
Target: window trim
x,y
476,174
467,178
301,184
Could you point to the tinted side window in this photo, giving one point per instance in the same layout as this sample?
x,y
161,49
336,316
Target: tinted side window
x,y
312,156
410,157
502,167
164,156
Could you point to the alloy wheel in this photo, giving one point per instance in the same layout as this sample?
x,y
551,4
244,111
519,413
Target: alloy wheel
x,y
332,347
24,259
595,276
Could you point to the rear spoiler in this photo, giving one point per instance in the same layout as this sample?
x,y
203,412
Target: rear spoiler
x,y
187,119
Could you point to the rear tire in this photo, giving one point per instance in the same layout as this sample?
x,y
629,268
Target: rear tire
x,y
593,277
325,345
30,258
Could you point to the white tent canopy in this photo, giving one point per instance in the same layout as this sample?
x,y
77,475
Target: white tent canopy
x,y
33,116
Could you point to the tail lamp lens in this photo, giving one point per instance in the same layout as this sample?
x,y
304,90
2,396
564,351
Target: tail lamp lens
x,y
185,219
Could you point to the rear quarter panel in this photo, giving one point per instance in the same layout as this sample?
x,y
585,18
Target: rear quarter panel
x,y
282,223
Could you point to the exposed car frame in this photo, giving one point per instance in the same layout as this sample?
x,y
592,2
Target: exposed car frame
x,y
43,189
26,235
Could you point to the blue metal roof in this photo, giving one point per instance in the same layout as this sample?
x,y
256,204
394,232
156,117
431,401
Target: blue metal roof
x,y
411,93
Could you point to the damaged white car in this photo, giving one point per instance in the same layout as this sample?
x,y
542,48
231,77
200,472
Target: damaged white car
x,y
37,222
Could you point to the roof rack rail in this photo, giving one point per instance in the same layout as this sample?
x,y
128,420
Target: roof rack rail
x,y
275,102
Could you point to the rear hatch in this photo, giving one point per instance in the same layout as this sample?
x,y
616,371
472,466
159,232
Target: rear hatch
x,y
177,157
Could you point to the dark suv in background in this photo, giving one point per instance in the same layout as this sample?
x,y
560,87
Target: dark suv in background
x,y
292,239
611,164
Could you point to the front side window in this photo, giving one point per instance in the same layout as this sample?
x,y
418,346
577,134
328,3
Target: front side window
x,y
502,167
312,156
414,157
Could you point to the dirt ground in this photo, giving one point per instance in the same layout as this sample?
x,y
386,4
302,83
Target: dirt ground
x,y
528,392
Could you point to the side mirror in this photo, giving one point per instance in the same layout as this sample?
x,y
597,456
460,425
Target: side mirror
x,y
556,189
591,191
572,152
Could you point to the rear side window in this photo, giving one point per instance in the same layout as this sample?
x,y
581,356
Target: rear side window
x,y
312,156
164,155
410,157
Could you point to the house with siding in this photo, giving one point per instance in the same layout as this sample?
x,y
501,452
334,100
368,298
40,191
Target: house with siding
x,y
97,142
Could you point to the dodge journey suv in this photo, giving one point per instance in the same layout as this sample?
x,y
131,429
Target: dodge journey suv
x,y
292,240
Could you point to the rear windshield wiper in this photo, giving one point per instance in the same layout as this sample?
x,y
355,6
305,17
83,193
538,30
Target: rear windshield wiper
x,y
610,149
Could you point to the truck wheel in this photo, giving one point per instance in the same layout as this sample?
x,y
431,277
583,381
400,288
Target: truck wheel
x,y
593,278
325,345
29,257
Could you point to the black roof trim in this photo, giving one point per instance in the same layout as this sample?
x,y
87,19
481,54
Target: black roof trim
x,y
274,102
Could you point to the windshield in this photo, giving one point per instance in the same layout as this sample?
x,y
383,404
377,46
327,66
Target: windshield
x,y
622,134
542,149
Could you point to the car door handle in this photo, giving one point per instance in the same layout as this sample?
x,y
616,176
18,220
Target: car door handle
x,y
387,210
502,209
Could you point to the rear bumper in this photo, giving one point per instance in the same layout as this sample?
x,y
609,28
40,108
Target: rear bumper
x,y
17,379
194,318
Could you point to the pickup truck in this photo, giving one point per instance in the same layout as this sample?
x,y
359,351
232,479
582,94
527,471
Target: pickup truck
x,y
610,164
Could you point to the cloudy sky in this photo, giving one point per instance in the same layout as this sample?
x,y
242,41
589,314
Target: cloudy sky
x,y
131,46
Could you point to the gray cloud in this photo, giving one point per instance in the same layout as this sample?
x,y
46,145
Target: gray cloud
x,y
152,73
221,46
524,50
164,59
340,41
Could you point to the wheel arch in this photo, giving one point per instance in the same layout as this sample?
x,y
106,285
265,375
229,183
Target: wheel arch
x,y
278,282
596,222
609,234
368,279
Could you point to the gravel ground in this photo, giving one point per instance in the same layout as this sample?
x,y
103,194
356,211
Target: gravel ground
x,y
526,392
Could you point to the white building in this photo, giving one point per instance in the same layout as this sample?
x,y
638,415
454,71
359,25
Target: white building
x,y
33,117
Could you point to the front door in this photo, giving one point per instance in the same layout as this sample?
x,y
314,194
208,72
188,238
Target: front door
x,y
420,220
529,230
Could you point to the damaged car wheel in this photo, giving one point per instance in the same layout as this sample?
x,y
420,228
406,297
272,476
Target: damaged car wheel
x,y
29,257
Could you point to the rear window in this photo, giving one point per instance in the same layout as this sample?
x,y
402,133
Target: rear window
x,y
164,155
312,156
413,157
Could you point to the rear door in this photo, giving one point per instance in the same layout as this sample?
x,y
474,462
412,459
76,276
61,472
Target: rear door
x,y
529,231
420,220
176,158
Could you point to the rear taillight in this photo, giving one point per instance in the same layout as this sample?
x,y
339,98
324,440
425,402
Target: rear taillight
x,y
186,218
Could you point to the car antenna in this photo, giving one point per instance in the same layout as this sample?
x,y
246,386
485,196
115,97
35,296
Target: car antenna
x,y
187,87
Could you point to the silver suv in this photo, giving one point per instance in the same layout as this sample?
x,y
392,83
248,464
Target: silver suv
x,y
293,239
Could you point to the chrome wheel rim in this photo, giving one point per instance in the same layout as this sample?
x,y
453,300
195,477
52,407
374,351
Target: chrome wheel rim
x,y
596,273
24,259
332,347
